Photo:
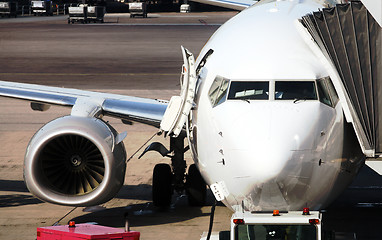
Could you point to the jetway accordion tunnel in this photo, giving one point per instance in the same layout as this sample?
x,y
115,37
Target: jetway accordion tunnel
x,y
352,39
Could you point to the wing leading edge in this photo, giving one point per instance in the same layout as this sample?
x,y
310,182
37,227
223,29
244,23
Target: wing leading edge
x,y
148,111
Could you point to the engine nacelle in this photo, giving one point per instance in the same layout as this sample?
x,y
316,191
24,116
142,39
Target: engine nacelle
x,y
75,161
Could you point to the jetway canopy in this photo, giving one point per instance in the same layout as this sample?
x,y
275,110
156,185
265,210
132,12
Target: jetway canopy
x,y
350,39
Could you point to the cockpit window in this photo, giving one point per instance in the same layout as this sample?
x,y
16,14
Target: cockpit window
x,y
218,91
295,90
249,90
326,91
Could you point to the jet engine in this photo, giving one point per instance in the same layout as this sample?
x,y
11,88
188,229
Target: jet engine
x,y
75,161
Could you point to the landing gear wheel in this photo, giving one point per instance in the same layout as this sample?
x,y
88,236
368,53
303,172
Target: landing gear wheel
x,y
195,187
162,185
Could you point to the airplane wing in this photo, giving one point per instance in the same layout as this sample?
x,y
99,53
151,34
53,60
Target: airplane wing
x,y
148,111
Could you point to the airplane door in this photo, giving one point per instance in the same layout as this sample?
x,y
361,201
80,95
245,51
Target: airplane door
x,y
180,106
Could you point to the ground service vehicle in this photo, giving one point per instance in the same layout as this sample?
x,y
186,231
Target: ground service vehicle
x,y
8,9
42,8
137,9
95,13
274,225
85,14
78,14
185,8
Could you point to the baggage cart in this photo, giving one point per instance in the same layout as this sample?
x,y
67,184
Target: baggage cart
x,y
78,14
95,13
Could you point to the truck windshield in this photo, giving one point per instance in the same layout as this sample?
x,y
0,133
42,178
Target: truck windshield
x,y
275,232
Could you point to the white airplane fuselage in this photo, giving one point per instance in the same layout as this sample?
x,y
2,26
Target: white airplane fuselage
x,y
270,153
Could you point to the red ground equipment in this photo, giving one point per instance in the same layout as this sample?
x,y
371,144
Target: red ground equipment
x,y
84,231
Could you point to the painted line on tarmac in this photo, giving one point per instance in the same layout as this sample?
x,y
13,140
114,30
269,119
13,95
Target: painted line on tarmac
x,y
365,187
369,205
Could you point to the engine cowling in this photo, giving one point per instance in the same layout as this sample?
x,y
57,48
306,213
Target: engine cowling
x,y
75,161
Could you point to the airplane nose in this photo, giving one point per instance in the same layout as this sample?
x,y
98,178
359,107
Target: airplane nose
x,y
260,141
268,149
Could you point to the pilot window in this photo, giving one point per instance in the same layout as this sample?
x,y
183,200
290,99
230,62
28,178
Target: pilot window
x,y
295,90
326,91
249,90
218,91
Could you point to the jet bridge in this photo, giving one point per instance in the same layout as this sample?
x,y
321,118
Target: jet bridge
x,y
347,38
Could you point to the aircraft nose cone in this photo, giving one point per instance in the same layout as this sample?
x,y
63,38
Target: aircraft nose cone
x,y
268,151
262,139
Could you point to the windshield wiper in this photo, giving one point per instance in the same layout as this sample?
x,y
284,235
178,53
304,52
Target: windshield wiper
x,y
300,99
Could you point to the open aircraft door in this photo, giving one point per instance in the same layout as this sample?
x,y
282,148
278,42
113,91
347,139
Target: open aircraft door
x,y
348,41
180,106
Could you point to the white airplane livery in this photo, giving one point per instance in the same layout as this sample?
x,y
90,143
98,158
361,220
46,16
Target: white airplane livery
x,y
265,114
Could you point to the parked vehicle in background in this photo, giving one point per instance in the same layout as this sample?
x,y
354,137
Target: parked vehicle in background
x,y
138,9
85,14
42,7
8,9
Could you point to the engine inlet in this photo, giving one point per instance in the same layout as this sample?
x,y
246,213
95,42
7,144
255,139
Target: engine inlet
x,y
72,164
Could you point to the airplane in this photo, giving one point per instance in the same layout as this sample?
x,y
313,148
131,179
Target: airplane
x,y
265,114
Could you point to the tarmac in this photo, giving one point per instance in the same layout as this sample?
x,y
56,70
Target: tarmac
x,y
138,57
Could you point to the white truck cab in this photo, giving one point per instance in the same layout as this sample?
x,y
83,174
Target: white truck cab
x,y
276,225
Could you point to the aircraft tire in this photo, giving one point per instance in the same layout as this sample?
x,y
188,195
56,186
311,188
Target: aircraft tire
x,y
195,187
162,185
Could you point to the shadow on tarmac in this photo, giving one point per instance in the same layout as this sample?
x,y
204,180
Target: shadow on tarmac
x,y
16,200
141,215
138,192
353,223
357,212
13,186
145,214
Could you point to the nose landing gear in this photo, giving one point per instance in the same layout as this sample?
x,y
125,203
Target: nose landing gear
x,y
169,178
195,187
162,188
